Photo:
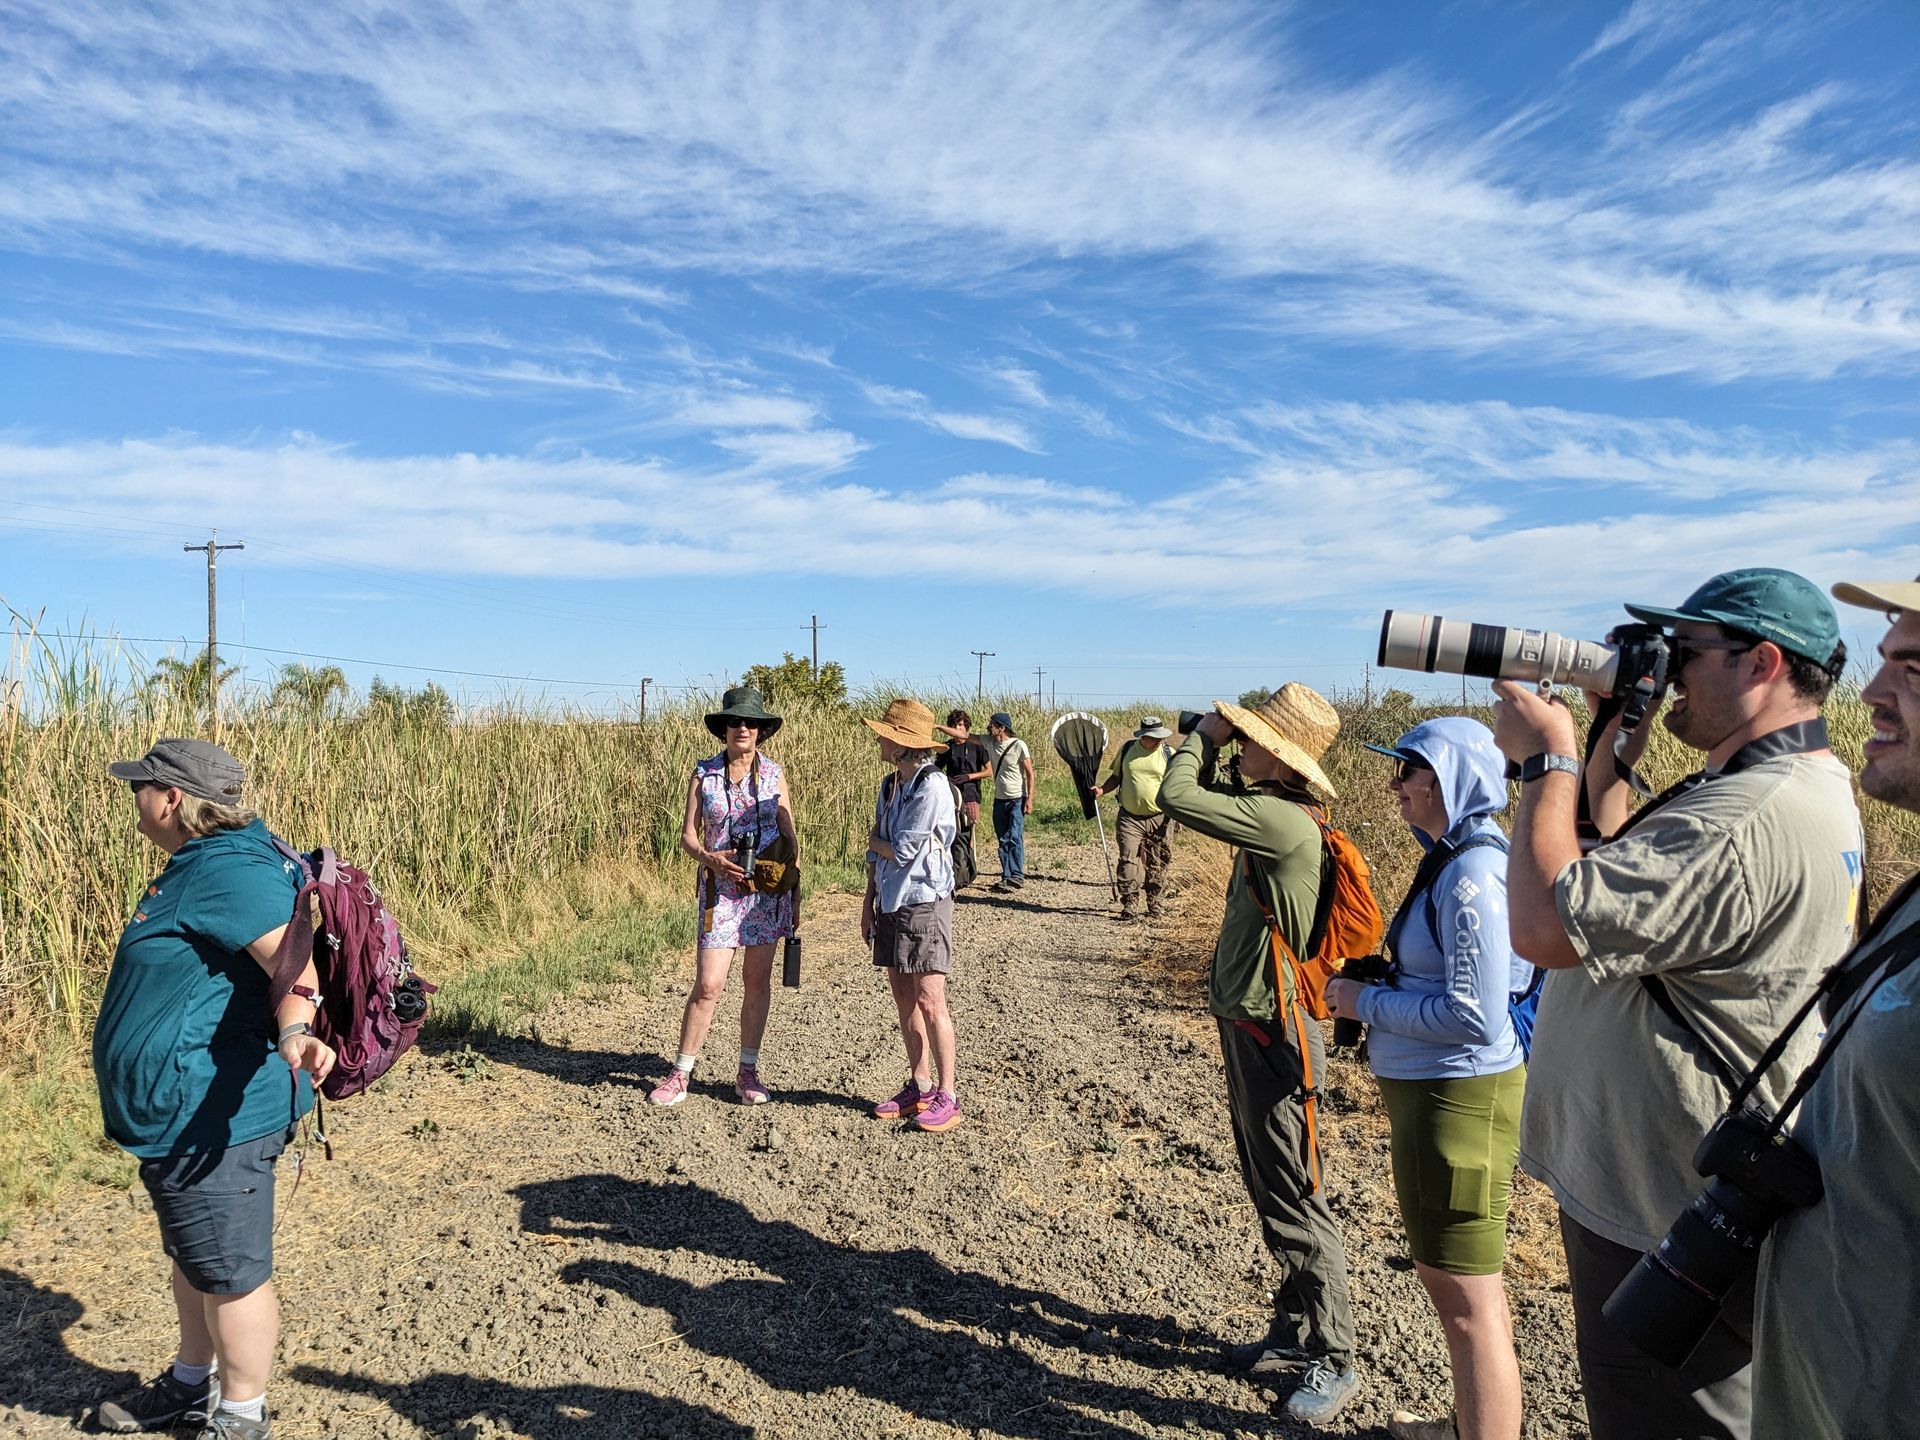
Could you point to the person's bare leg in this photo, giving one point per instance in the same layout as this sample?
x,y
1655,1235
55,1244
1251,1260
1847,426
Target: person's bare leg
x,y
931,1003
245,1329
913,1031
196,1341
756,971
710,969
1479,1331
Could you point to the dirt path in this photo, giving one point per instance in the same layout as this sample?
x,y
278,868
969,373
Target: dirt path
x,y
514,1244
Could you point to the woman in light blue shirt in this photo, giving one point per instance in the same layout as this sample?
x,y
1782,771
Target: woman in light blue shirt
x,y
907,915
1450,1065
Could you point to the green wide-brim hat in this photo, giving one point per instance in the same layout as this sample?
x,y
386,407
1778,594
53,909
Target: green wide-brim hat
x,y
743,702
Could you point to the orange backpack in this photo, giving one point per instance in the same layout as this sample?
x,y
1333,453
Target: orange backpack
x,y
1347,924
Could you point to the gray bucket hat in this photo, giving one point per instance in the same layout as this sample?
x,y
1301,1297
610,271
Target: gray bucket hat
x,y
742,702
1154,726
199,767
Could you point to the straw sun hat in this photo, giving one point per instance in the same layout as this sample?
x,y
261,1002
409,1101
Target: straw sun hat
x,y
908,723
1295,723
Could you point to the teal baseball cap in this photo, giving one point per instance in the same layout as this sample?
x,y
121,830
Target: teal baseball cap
x,y
1775,605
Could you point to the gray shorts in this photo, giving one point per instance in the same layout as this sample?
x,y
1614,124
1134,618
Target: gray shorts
x,y
916,939
216,1212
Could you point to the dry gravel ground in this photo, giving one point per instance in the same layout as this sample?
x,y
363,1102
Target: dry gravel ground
x,y
513,1243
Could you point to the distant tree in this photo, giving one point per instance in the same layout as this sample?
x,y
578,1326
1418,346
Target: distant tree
x,y
1252,698
311,691
187,682
793,681
429,705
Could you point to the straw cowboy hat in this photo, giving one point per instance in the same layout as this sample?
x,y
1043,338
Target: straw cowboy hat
x,y
742,702
908,723
1295,723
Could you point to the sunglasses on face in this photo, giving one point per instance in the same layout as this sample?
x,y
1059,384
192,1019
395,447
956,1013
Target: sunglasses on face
x,y
1683,649
753,725
1407,769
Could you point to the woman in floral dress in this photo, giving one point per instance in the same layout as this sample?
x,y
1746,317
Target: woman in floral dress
x,y
738,794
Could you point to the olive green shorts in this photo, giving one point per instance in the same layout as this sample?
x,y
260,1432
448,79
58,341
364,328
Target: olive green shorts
x,y
1454,1144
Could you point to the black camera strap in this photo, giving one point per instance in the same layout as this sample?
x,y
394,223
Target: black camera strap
x,y
1803,737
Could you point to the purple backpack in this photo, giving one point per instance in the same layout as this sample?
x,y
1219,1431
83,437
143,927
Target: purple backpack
x,y
371,1002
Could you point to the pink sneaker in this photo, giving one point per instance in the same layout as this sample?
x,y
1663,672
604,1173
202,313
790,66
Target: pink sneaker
x,y
942,1112
748,1087
670,1091
910,1101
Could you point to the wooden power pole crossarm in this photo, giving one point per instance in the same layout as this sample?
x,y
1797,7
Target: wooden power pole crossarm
x,y
213,549
980,675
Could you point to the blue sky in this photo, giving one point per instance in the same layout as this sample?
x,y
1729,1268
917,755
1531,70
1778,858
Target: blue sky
x,y
1157,346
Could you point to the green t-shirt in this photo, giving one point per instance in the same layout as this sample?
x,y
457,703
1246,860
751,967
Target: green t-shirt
x,y
1840,1280
183,1050
1285,844
1138,771
1737,895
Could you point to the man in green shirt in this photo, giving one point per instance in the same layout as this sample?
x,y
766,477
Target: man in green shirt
x,y
1136,770
1264,814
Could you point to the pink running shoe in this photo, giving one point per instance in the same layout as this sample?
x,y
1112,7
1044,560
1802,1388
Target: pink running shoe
x,y
670,1091
942,1112
748,1087
910,1101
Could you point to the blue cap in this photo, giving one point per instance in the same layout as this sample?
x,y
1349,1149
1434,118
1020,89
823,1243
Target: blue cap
x,y
1002,719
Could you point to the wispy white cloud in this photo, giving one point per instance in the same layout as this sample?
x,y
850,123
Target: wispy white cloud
x,y
962,425
614,150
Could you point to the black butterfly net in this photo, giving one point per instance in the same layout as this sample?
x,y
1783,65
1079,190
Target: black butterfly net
x,y
1080,739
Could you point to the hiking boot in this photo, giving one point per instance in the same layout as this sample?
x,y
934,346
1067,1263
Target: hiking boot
x,y
159,1405
225,1425
1272,1356
670,1091
1324,1393
748,1087
1405,1425
942,1112
910,1101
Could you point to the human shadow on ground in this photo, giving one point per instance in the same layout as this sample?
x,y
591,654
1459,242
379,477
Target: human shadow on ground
x,y
38,1372
881,1323
459,1406
1037,907
641,1070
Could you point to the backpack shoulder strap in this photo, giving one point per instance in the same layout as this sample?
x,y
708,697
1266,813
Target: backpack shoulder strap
x,y
1661,996
1474,842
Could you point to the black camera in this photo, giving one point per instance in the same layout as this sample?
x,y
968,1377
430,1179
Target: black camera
x,y
1368,970
1670,1299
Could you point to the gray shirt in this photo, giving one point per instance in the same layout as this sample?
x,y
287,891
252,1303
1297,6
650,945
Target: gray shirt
x,y
1839,1292
1738,895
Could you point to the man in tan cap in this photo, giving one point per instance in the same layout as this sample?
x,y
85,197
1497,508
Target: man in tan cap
x,y
1265,815
1839,1282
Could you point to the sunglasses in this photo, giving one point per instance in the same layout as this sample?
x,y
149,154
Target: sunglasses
x,y
743,725
1683,650
1407,769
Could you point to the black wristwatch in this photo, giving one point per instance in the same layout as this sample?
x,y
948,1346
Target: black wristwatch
x,y
1534,766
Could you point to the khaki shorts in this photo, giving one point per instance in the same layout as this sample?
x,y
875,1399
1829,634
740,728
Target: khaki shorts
x,y
916,939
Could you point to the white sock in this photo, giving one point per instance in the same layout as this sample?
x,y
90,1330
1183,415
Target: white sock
x,y
684,1062
254,1409
192,1376
750,1055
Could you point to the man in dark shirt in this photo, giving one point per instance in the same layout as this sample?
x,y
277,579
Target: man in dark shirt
x,y
965,763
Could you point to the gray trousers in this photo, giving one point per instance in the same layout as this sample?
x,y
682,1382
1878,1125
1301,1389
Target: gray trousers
x,y
1632,1397
1270,1133
1143,838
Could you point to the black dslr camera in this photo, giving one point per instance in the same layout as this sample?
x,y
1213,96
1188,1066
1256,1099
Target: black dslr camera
x,y
1368,970
1669,1300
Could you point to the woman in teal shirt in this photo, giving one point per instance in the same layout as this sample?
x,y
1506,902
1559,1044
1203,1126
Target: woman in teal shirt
x,y
201,1083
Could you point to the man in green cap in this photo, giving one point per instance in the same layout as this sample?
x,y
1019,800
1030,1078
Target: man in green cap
x,y
1679,946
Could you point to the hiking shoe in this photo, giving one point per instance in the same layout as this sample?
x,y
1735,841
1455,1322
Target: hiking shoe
x,y
748,1087
1324,1393
1271,1356
942,1112
159,1405
672,1090
225,1425
911,1100
1405,1425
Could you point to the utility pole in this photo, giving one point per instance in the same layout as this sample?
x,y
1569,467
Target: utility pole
x,y
816,647
1039,690
1369,685
980,677
645,680
213,621
1055,694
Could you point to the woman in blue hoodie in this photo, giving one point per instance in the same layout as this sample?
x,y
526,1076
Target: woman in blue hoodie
x,y
1450,1066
